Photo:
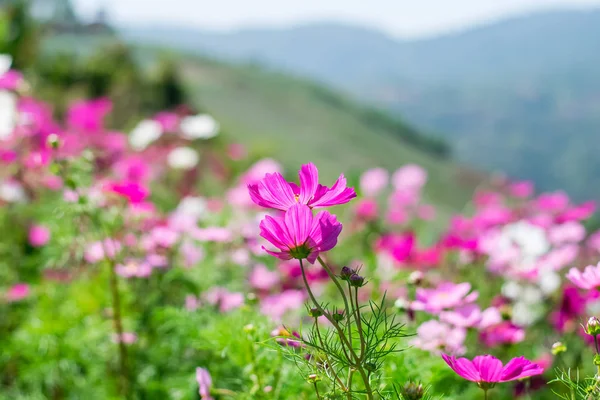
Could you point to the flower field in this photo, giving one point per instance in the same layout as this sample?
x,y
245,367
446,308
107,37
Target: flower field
x,y
165,262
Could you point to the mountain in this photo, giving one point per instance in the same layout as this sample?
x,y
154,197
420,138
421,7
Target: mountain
x,y
521,95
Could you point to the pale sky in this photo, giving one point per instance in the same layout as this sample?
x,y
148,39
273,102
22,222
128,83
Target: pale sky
x,y
403,18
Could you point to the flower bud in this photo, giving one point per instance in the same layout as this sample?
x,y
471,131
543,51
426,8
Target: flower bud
x,y
370,366
53,141
356,280
346,273
412,391
313,378
593,326
315,312
416,278
249,328
558,347
338,316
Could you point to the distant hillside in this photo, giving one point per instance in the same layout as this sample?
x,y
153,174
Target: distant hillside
x,y
295,121
521,95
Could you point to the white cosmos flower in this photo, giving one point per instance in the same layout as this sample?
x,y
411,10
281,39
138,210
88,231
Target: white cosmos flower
x,y
525,314
194,207
8,113
201,126
183,158
146,132
5,63
12,192
530,239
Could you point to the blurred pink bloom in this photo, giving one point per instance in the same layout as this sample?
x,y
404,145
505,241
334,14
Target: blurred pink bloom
x,y
212,234
410,177
491,216
429,257
52,182
97,251
263,278
553,202
37,159
426,212
299,234
11,80
70,196
578,213
366,209
192,254
133,192
446,295
486,198
399,245
204,383
169,121
134,269
437,337
224,299
259,170
133,169
88,115
237,152
559,258
38,235
466,316
522,189
17,292
569,232
273,191
502,333
572,307
373,181
593,241
488,369
191,302
588,279
126,337
8,156
277,305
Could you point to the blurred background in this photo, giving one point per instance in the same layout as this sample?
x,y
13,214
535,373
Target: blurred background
x,y
468,89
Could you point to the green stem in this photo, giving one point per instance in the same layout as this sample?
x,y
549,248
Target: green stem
x,y
329,364
363,344
118,324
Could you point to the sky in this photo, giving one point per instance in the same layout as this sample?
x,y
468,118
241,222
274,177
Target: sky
x,y
401,18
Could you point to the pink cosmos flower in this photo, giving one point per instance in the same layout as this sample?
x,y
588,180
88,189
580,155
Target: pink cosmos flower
x,y
409,177
366,209
278,305
38,235
169,121
134,269
88,115
299,234
589,279
445,296
17,292
262,278
273,191
126,337
224,299
373,181
522,189
11,80
569,232
437,337
97,251
191,302
204,383
502,333
466,316
487,369
135,193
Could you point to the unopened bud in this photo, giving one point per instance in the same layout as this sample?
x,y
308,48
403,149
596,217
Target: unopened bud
x,y
338,316
346,273
356,280
416,278
592,327
53,141
315,312
370,366
558,347
249,328
313,378
412,391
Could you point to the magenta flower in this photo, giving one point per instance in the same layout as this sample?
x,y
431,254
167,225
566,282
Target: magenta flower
x,y
134,269
273,191
445,296
487,370
135,193
503,333
204,383
38,235
17,292
299,234
126,337
589,279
